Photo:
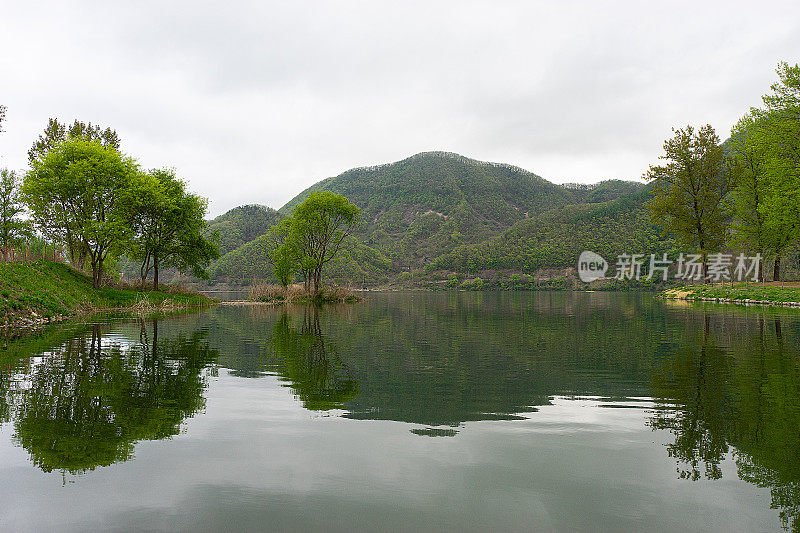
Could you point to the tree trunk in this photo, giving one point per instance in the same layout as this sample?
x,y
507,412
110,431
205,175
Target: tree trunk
x,y
155,272
97,272
776,271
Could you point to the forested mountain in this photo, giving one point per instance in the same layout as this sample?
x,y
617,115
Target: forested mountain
x,y
241,225
439,211
556,238
419,208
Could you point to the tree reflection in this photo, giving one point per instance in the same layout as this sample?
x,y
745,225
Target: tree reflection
x,y
747,398
89,401
310,364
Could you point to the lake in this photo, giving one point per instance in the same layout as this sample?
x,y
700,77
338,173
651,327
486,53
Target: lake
x,y
409,411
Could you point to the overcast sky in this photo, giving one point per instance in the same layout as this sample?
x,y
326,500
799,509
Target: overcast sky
x,y
253,101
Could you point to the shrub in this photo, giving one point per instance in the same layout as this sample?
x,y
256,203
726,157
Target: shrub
x,y
472,284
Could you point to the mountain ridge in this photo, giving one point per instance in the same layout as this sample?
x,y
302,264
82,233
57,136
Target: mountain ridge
x,y
419,211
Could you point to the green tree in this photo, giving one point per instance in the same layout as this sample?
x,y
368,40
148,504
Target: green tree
x,y
74,191
281,252
690,189
319,225
782,161
55,132
12,229
167,223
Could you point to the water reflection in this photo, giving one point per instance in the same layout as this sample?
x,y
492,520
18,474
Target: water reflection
x,y
735,389
719,385
86,402
310,364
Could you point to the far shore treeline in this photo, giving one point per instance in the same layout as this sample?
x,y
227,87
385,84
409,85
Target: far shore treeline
x,y
437,220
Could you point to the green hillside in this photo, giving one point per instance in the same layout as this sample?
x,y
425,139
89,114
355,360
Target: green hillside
x,y
556,238
441,211
241,225
46,289
429,204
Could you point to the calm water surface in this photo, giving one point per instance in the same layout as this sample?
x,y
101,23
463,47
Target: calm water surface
x,y
417,411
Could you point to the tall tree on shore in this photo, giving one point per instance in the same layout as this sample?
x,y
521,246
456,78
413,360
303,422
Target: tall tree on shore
x,y
12,229
319,225
754,228
55,132
74,193
690,190
167,223
782,161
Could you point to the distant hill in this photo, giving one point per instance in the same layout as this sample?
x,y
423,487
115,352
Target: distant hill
x,y
556,238
443,211
241,225
419,208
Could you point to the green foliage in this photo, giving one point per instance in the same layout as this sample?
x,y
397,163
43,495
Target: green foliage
x,y
556,238
741,291
240,226
690,190
74,192
317,229
167,223
49,289
356,263
781,141
751,187
475,284
283,267
56,133
13,231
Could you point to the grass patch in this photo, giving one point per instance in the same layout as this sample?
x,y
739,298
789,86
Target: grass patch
x,y
739,292
270,293
50,289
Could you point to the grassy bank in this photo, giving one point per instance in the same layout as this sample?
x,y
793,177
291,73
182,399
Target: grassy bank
x,y
739,293
44,291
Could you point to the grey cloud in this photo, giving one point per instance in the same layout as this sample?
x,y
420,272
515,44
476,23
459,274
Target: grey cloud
x,y
254,101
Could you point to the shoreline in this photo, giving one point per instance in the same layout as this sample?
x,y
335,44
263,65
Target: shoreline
x,y
30,322
742,295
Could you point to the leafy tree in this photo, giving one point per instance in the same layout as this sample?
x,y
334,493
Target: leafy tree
x,y
690,190
2,116
782,161
55,132
74,192
12,230
319,225
281,252
167,223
